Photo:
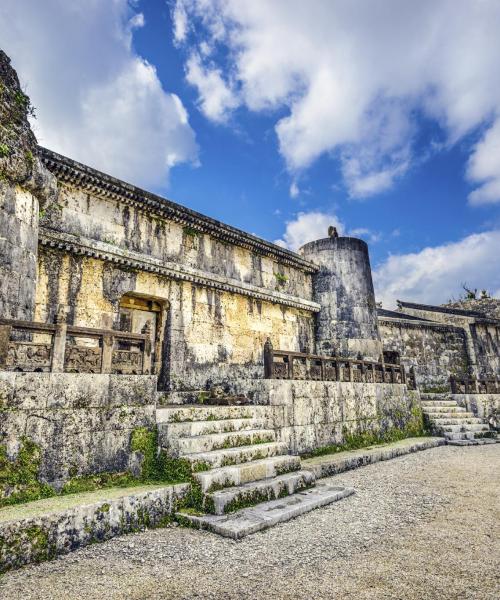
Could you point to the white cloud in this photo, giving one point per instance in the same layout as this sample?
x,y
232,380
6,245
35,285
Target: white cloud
x,y
435,274
366,234
484,167
97,101
307,227
179,19
294,190
354,74
215,96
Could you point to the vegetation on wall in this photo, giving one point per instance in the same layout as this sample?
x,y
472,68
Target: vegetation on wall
x,y
19,478
414,427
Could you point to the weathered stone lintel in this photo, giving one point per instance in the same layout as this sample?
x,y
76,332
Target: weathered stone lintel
x,y
103,251
105,186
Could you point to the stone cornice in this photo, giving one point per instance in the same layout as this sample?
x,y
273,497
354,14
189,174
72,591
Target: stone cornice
x,y
420,324
134,260
473,315
74,173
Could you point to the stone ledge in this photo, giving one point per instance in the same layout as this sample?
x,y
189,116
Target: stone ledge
x,y
333,464
135,260
41,530
72,172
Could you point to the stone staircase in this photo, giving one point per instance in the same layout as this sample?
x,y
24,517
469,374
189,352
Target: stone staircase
x,y
447,419
246,478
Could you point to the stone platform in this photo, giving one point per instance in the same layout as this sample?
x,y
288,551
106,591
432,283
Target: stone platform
x,y
267,514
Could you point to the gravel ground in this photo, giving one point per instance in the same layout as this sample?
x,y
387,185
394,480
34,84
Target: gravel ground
x,y
424,526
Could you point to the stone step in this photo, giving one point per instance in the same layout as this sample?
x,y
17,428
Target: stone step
x,y
200,412
480,427
464,435
245,472
236,456
438,405
449,414
474,442
250,520
167,431
249,494
219,441
435,396
457,421
443,409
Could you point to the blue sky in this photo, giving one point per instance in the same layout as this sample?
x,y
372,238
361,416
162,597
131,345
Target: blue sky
x,y
279,118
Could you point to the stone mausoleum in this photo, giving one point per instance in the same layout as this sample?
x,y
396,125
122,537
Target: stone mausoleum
x,y
133,328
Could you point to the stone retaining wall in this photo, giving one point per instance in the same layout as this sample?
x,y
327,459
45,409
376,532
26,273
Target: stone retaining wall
x,y
312,414
80,423
482,405
45,531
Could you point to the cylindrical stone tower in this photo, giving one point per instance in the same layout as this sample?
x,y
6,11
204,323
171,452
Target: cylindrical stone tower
x,y
347,322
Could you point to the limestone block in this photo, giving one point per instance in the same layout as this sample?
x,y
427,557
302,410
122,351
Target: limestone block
x,y
132,389
75,390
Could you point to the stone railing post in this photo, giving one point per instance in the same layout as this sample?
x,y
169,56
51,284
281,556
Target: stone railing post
x,y
413,379
290,366
59,342
268,359
5,331
362,368
337,371
107,345
349,371
146,350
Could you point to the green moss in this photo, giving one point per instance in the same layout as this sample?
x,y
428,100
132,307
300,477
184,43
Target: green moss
x,y
4,150
145,440
157,466
414,427
280,278
90,483
285,468
191,511
19,477
201,466
436,389
190,231
202,396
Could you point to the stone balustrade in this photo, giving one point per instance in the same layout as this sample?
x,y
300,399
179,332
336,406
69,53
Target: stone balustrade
x,y
45,347
281,364
472,385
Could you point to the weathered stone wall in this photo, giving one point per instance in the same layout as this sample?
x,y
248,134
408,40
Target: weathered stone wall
x,y
81,423
24,186
89,217
435,351
482,333
482,405
209,336
18,251
486,339
488,306
313,414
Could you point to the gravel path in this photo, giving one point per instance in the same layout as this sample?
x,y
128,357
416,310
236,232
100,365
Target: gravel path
x,y
424,526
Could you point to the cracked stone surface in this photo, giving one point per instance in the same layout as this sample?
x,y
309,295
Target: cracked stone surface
x,y
423,526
